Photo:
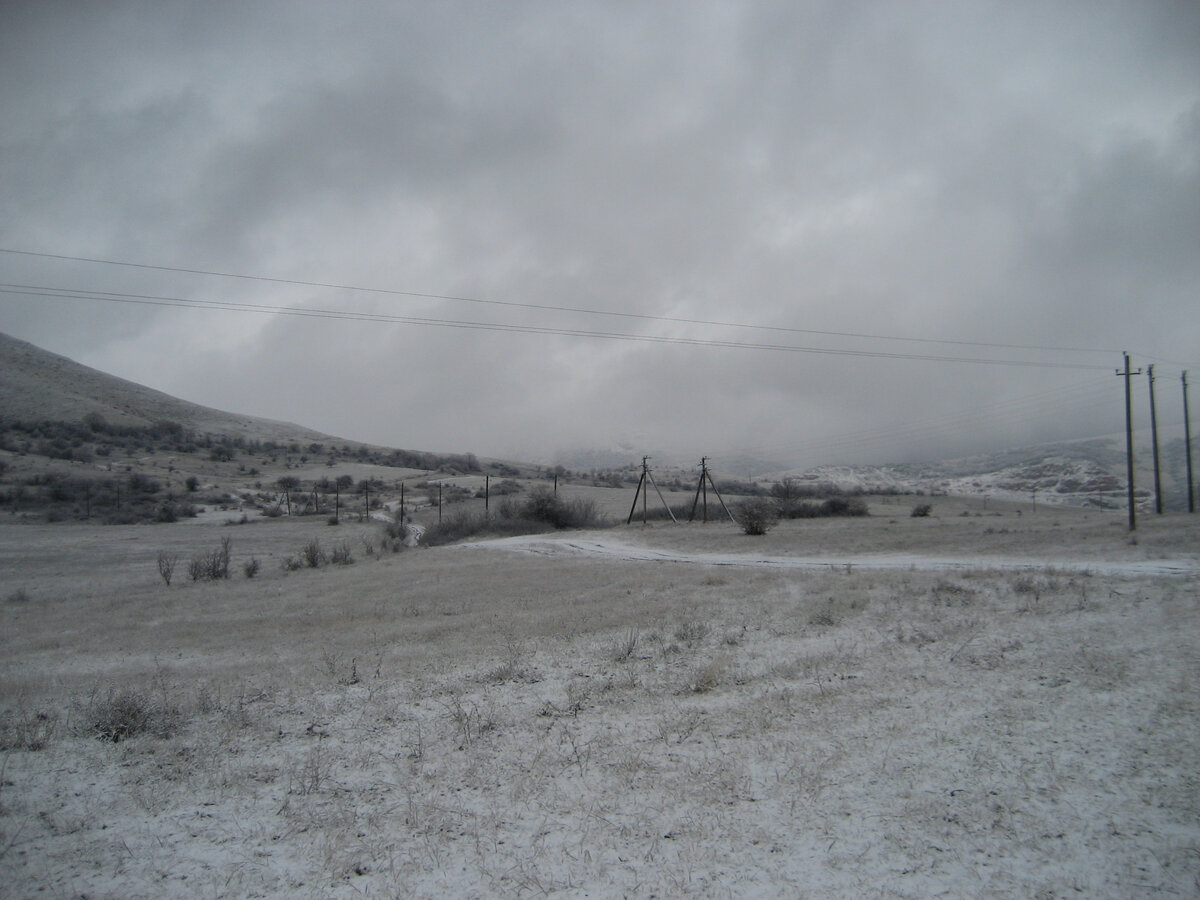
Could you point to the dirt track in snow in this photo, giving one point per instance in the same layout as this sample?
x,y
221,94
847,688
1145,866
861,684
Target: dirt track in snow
x,y
609,547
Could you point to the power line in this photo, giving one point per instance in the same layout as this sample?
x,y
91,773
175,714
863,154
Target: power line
x,y
550,307
999,410
351,315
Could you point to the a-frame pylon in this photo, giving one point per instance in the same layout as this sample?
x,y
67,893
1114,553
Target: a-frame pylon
x,y
643,490
706,479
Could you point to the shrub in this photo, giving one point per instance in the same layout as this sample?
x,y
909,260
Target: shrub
x,y
844,506
27,729
921,511
312,554
211,566
543,505
833,506
341,555
463,524
166,565
124,714
757,516
251,567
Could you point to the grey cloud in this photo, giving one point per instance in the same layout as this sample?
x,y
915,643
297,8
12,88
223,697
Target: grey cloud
x,y
966,172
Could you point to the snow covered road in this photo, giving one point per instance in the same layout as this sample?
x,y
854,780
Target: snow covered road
x,y
609,547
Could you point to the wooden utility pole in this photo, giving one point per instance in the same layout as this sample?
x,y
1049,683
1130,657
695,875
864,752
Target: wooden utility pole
x,y
1187,446
1158,502
638,493
705,480
1129,440
643,489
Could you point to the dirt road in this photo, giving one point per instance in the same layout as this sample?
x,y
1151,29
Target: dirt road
x,y
610,547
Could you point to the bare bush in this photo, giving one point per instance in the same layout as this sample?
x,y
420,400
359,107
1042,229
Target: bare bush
x,y
166,565
692,633
624,648
757,516
312,554
341,555
832,506
211,566
27,729
250,567
921,511
124,714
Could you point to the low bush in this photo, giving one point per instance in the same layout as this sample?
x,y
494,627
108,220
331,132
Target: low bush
x,y
166,566
921,511
312,554
757,516
27,729
832,506
120,715
211,566
543,505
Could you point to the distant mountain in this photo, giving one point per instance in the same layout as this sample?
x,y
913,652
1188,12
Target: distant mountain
x,y
37,385
1088,472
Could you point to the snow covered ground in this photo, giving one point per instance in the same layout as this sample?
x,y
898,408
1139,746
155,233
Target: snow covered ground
x,y
651,712
605,546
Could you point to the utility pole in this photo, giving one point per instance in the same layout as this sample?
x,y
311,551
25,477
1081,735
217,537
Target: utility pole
x,y
639,492
706,479
1129,440
1187,444
1158,502
643,489
702,486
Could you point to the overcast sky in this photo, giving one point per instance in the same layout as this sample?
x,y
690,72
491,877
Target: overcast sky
x,y
866,192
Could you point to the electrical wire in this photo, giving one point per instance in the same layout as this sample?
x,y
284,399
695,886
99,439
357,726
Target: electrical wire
x,y
1069,399
351,315
550,307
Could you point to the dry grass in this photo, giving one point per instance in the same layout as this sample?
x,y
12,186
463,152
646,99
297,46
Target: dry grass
x,y
450,723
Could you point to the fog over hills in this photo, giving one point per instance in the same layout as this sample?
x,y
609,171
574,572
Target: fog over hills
x,y
39,385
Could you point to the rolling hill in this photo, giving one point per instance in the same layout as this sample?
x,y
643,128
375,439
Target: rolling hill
x,y
38,385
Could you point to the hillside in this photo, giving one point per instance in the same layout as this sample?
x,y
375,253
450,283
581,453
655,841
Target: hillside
x,y
1088,472
42,386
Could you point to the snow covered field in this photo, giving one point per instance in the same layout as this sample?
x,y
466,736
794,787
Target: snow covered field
x,y
663,711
